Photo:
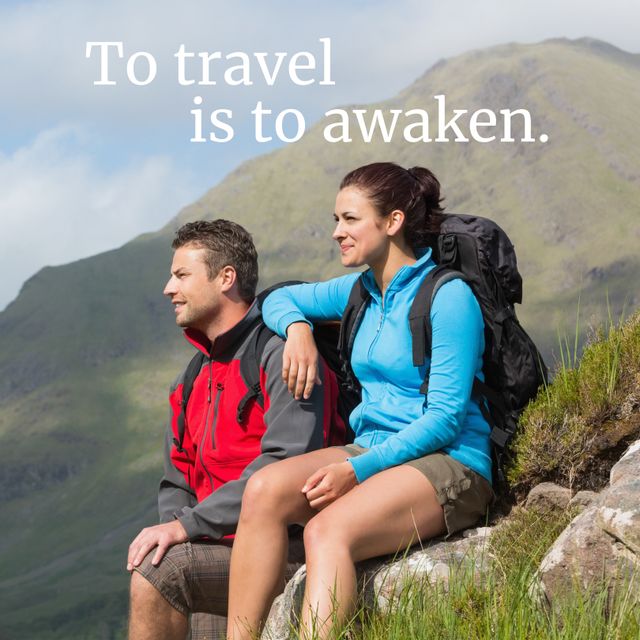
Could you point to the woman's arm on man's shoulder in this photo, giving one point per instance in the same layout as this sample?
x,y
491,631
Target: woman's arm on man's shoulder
x,y
289,312
309,303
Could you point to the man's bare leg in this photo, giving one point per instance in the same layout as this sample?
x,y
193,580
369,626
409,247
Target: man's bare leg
x,y
151,617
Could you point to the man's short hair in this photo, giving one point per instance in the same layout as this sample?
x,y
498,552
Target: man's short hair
x,y
226,244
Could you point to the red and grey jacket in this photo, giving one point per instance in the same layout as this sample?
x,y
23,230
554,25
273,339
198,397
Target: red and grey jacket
x,y
205,477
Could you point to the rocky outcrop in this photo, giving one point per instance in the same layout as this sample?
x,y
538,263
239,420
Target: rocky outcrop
x,y
619,515
602,544
548,496
380,579
582,500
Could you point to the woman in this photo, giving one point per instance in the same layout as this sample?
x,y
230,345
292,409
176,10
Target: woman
x,y
416,469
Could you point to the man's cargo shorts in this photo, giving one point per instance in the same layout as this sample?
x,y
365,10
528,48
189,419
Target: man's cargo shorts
x,y
194,578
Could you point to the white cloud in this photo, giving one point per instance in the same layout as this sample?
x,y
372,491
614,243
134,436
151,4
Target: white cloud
x,y
56,204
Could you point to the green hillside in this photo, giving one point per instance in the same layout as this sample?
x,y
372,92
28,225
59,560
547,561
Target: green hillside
x,y
87,350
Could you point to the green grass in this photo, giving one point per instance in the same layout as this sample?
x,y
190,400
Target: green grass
x,y
582,416
501,604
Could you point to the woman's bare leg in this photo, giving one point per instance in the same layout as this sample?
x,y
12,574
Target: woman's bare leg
x,y
272,500
385,514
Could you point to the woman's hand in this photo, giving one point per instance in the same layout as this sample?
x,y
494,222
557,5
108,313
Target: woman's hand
x,y
329,483
300,361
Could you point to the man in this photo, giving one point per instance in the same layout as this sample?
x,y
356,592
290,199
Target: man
x,y
181,565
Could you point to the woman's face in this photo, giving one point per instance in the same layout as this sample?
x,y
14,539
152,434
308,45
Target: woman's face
x,y
360,230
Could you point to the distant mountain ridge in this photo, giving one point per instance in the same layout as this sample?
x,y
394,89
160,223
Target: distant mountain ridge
x,y
87,349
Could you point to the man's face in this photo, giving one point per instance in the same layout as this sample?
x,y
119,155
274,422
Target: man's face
x,y
195,298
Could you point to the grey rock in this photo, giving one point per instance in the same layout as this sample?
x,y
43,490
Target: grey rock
x,y
281,622
548,496
602,544
435,563
619,513
627,469
583,499
585,555
381,579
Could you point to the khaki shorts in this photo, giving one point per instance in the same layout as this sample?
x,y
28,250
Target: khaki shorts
x,y
464,494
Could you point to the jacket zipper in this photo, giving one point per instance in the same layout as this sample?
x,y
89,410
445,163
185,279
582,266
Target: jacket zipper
x,y
219,389
206,424
375,338
381,316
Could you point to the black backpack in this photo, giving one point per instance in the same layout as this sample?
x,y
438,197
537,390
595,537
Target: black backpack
x,y
479,252
326,335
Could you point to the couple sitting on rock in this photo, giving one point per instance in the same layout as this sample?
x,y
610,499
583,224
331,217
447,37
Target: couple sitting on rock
x,y
418,467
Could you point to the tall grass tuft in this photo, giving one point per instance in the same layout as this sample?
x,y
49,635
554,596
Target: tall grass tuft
x,y
583,413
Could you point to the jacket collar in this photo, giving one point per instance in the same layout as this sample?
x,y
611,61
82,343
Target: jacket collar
x,y
403,276
226,342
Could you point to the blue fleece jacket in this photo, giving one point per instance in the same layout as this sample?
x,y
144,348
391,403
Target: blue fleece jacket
x,y
393,420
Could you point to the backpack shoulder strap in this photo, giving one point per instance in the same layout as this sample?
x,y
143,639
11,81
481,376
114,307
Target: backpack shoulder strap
x,y
190,375
252,356
250,369
420,312
351,318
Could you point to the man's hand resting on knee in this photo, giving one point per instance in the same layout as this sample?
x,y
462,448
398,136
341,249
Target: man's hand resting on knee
x,y
162,536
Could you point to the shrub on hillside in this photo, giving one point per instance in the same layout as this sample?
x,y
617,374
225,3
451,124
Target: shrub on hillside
x,y
579,425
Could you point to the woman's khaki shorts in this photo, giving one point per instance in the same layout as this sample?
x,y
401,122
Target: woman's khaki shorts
x,y
464,494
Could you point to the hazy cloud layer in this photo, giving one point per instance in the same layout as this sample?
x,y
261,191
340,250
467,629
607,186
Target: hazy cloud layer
x,y
74,193
56,203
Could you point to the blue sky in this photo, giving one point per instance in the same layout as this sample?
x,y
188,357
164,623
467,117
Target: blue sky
x,y
85,168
